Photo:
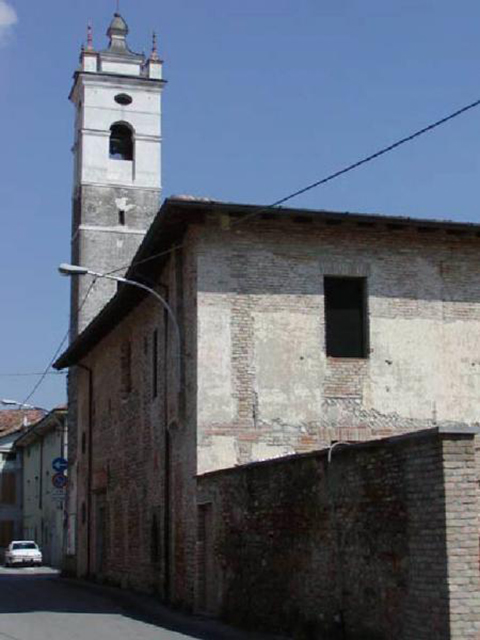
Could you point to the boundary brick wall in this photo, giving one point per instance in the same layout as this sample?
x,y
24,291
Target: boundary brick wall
x,y
380,543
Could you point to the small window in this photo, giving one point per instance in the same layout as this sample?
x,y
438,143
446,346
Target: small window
x,y
346,317
12,456
6,532
155,364
121,142
155,540
126,367
8,493
124,99
121,218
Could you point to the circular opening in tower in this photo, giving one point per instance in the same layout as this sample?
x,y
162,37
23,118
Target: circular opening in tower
x,y
123,99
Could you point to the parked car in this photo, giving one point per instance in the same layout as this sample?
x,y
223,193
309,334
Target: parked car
x,y
21,552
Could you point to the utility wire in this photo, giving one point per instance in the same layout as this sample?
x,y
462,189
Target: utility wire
x,y
30,375
277,203
365,160
58,350
262,208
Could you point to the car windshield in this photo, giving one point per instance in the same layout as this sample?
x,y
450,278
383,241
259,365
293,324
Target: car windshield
x,y
24,545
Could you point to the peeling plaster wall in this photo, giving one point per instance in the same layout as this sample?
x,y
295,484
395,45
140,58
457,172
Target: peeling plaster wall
x,y
265,385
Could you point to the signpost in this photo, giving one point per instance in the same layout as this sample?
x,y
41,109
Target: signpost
x,y
58,495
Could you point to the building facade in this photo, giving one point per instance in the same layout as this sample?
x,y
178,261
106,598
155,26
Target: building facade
x,y
298,329
41,447
12,424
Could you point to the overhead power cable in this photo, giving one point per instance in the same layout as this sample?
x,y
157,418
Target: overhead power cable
x,y
263,208
30,375
58,350
355,165
365,160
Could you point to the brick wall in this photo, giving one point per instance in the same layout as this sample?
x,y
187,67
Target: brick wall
x,y
143,447
380,543
255,381
124,462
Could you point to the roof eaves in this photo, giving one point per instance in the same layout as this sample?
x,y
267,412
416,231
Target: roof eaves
x,y
164,231
47,423
168,225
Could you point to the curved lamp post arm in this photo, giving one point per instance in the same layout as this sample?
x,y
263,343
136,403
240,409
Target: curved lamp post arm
x,y
21,405
74,270
154,293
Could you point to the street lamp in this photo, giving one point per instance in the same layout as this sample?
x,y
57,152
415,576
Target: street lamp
x,y
75,270
21,405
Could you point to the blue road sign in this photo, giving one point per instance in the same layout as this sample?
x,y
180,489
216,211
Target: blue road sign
x,y
59,481
59,464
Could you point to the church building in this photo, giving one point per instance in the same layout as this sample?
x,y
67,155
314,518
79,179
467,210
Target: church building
x,y
252,335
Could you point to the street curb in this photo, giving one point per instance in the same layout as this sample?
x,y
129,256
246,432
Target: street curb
x,y
148,609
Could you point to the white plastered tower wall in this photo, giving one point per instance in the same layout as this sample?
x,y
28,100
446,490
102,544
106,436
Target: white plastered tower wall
x,y
114,198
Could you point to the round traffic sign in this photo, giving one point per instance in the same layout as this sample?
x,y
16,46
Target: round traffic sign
x,y
59,481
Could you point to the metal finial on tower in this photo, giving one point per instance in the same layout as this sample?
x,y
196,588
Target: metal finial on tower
x,y
154,54
89,37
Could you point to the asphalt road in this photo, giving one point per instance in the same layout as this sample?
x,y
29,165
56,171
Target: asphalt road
x,y
36,605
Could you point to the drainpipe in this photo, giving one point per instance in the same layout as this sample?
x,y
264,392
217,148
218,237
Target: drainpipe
x,y
166,467
331,492
89,465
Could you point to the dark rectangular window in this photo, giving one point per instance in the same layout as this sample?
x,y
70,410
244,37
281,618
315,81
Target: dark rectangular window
x,y
8,494
346,317
155,364
6,532
155,537
126,367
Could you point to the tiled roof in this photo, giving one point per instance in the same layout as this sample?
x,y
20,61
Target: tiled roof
x,y
12,420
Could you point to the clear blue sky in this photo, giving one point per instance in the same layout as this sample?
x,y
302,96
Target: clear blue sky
x,y
264,96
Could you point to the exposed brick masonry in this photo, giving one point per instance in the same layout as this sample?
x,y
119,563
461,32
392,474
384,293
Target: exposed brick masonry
x,y
381,542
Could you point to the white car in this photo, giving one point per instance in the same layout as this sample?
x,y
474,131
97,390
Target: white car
x,y
23,552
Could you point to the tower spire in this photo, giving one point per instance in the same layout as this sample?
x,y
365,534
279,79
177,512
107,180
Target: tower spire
x,y
118,32
154,54
89,37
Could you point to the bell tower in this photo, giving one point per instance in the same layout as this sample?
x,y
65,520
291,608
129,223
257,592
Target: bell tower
x,y
117,162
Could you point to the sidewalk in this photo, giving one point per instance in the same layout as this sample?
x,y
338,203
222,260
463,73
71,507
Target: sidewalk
x,y
148,609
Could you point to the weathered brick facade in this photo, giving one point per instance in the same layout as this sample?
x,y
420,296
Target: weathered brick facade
x,y
267,388
379,543
254,381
